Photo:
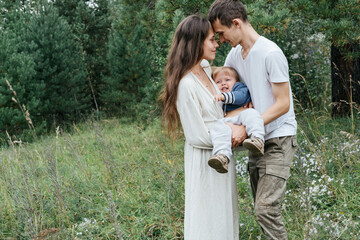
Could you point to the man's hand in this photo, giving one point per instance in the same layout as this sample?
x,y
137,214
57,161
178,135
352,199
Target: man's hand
x,y
249,105
238,134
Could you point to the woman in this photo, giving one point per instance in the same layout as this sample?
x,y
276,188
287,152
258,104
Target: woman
x,y
211,207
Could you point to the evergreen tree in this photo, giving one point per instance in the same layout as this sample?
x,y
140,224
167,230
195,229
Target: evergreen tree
x,y
16,99
131,87
59,67
42,75
91,25
129,65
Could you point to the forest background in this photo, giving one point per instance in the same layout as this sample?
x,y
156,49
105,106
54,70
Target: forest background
x,y
90,68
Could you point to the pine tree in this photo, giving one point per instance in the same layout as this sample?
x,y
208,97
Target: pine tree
x,y
16,72
59,66
130,83
91,25
18,101
130,68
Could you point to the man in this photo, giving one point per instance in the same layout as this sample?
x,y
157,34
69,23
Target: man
x,y
263,67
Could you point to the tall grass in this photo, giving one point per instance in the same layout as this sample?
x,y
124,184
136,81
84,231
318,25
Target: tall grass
x,y
105,180
113,180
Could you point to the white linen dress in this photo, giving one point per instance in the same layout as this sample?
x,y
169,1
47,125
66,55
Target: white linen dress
x,y
211,202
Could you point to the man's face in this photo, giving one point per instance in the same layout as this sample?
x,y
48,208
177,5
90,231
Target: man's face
x,y
226,34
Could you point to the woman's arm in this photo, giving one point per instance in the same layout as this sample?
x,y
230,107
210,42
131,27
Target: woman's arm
x,y
189,109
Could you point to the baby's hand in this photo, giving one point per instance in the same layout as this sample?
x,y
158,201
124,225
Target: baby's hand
x,y
219,97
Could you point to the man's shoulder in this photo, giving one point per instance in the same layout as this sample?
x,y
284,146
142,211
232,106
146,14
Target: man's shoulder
x,y
266,46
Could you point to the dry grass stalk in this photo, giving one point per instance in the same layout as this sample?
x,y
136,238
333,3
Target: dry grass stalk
x,y
114,215
45,233
23,109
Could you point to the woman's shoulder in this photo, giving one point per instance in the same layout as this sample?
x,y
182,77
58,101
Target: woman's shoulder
x,y
187,82
188,78
205,63
206,66
186,87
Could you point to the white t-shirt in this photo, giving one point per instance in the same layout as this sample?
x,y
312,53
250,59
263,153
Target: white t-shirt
x,y
265,64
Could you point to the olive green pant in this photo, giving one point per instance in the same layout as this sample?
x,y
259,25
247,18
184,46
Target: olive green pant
x,y
268,175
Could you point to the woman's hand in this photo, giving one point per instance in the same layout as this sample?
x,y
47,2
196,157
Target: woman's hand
x,y
238,134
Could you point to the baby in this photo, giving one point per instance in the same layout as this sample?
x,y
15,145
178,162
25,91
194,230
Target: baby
x,y
234,94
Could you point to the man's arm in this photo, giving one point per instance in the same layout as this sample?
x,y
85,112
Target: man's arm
x,y
279,108
282,102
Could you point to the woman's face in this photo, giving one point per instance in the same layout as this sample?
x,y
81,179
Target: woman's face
x,y
210,46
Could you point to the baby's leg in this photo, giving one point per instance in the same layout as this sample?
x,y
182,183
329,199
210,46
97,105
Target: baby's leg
x,y
220,135
252,120
254,124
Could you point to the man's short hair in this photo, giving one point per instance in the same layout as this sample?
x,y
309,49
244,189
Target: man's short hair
x,y
226,11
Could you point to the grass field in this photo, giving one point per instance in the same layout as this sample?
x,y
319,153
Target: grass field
x,y
114,180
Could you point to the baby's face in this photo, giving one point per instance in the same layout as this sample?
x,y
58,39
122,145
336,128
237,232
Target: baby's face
x,y
225,82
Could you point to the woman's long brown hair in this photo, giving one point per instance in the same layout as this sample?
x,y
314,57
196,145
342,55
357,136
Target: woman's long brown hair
x,y
185,52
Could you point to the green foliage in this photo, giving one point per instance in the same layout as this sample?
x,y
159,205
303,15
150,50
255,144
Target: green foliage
x,y
17,90
131,87
59,66
46,64
340,19
339,22
129,64
90,23
306,49
45,70
111,54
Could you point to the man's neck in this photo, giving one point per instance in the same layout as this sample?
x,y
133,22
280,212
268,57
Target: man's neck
x,y
250,38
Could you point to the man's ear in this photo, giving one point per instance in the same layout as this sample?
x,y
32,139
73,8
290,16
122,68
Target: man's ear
x,y
237,22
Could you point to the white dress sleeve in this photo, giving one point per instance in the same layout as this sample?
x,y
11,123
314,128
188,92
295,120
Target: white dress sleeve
x,y
190,112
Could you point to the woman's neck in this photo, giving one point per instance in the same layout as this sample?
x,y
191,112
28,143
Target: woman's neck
x,y
197,68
